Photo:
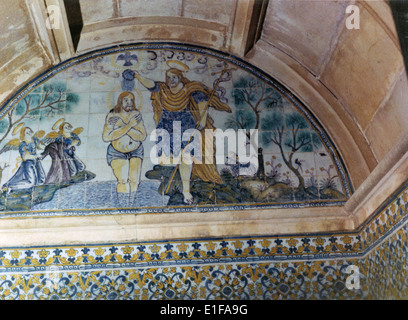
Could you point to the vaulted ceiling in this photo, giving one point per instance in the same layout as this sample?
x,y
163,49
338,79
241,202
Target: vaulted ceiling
x,y
353,80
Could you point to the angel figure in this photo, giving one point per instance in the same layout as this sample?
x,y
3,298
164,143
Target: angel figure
x,y
61,146
30,173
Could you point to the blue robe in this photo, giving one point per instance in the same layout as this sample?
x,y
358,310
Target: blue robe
x,y
30,173
186,120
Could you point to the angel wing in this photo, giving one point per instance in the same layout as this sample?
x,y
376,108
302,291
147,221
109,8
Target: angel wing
x,y
53,135
39,134
11,145
78,131
50,137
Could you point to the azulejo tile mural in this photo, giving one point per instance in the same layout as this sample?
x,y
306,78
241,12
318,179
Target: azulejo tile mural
x,y
79,139
62,153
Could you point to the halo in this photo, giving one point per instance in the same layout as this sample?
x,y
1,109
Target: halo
x,y
177,64
18,128
57,124
110,100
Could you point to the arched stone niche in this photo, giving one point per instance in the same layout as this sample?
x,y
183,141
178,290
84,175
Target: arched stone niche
x,y
60,160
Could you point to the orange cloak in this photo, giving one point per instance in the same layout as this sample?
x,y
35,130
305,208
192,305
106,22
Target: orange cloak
x,y
164,98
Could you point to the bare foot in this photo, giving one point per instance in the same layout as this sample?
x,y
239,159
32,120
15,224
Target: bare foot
x,y
188,198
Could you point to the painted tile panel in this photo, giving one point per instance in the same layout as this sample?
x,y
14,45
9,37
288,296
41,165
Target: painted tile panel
x,y
85,131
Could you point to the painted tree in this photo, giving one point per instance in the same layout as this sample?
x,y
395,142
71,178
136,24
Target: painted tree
x,y
53,100
253,95
251,98
291,133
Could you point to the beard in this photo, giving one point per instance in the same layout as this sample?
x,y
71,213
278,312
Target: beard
x,y
172,84
127,107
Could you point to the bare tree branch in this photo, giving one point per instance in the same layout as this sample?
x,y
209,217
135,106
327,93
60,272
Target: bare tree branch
x,y
28,110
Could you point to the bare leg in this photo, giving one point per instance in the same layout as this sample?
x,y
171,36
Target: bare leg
x,y
185,174
135,169
121,170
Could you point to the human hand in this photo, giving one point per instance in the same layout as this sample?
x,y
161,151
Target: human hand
x,y
138,117
135,119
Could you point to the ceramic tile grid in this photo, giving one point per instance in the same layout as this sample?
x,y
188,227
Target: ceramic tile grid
x,y
387,268
81,92
294,281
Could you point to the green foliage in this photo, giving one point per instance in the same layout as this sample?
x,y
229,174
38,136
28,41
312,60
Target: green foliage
x,y
4,125
246,119
272,121
52,97
269,123
316,141
246,82
52,101
72,99
292,131
304,138
231,123
252,91
240,96
275,99
56,87
267,138
20,108
296,121
31,100
302,143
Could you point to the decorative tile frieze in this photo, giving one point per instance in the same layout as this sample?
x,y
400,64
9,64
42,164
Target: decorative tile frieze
x,y
304,280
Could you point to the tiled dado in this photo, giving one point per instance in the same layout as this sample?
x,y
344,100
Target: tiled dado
x,y
262,281
387,268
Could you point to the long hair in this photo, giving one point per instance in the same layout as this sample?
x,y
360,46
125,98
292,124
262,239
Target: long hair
x,y
61,127
118,108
